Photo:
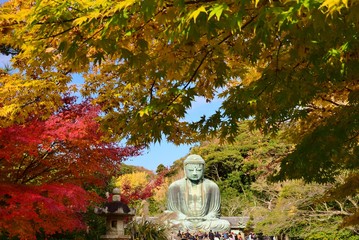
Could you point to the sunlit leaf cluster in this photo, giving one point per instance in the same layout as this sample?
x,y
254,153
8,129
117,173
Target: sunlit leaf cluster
x,y
137,186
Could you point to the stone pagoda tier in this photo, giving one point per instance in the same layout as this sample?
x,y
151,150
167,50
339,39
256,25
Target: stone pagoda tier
x,y
117,215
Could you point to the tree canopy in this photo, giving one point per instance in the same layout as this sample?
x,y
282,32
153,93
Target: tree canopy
x,y
144,62
49,169
300,210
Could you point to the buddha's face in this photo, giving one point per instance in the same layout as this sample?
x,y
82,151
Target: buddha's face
x,y
194,172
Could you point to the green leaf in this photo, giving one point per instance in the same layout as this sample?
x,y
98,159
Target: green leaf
x,y
217,10
195,13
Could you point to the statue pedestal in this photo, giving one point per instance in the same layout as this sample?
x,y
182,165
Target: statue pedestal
x,y
115,237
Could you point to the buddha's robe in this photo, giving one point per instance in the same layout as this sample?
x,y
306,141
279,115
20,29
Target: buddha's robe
x,y
197,206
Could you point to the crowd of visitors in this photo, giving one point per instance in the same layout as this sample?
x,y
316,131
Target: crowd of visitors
x,y
212,236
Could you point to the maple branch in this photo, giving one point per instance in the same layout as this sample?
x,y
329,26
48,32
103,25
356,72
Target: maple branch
x,y
244,26
196,1
192,77
205,56
69,8
199,66
17,174
249,21
332,102
277,57
349,89
352,138
150,20
97,32
46,154
55,22
152,89
57,34
196,70
39,174
314,107
32,165
61,176
192,2
185,87
37,99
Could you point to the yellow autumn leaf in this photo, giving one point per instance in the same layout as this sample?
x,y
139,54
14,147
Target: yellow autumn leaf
x,y
196,13
331,6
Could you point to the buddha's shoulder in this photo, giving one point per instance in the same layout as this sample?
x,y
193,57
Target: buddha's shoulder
x,y
209,182
182,182
177,183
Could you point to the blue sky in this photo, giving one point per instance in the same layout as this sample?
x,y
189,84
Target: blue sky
x,y
4,60
161,153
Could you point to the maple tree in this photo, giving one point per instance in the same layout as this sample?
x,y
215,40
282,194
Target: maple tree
x,y
46,165
138,186
144,62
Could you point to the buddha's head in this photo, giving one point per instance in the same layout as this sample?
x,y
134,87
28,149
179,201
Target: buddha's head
x,y
194,168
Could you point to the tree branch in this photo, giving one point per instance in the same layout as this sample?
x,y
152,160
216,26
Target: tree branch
x,y
332,102
57,34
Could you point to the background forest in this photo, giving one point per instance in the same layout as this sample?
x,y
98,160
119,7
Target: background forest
x,y
243,172
283,146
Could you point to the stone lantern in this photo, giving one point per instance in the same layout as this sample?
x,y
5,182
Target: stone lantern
x,y
117,215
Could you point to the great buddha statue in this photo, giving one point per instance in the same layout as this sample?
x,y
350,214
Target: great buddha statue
x,y
195,200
